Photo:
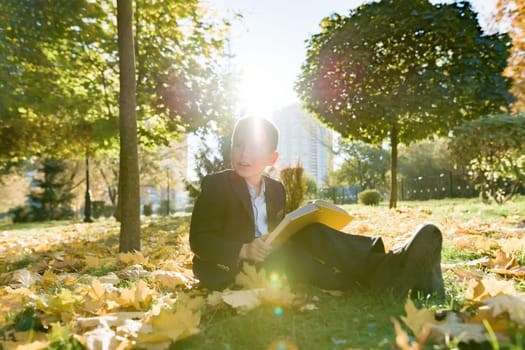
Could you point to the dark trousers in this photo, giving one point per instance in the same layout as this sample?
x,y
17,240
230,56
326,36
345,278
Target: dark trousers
x,y
327,258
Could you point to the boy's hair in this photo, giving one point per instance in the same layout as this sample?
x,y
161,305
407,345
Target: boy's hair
x,y
249,125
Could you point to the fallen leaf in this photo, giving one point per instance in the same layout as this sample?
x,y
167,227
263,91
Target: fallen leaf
x,y
308,307
513,305
417,319
25,278
169,279
170,326
250,278
487,287
403,340
243,300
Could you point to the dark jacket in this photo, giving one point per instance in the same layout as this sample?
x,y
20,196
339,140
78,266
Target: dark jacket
x,y
222,221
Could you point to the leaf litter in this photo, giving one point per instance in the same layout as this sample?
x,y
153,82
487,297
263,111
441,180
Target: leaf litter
x,y
78,286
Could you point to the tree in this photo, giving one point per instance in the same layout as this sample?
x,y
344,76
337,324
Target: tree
x,y
403,70
365,166
129,184
492,149
213,152
512,13
425,158
51,200
59,74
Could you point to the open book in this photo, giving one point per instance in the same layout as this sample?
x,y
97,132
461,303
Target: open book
x,y
317,212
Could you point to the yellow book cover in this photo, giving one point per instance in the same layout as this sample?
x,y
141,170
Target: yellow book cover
x,y
317,212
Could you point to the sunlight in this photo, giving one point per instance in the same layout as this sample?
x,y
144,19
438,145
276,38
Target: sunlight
x,y
257,95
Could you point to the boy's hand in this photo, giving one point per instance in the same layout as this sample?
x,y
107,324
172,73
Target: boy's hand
x,y
256,251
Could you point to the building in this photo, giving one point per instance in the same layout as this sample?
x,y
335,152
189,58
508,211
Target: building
x,y
304,139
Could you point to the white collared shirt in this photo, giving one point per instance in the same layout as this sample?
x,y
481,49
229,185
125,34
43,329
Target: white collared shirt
x,y
259,209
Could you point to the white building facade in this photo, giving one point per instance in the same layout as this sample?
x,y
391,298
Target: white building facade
x,y
303,139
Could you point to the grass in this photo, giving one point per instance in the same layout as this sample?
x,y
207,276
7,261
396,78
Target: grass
x,y
354,320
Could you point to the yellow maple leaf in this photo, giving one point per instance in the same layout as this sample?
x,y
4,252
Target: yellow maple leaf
x,y
512,245
93,261
36,345
59,332
97,290
133,258
452,327
513,305
25,278
417,319
109,320
101,338
64,301
243,300
96,298
277,296
485,314
193,303
138,296
171,326
49,278
249,277
214,298
516,272
403,340
487,287
169,279
12,301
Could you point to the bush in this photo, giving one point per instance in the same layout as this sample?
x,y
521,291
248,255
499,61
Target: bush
x,y
97,208
21,214
295,186
108,211
148,209
369,197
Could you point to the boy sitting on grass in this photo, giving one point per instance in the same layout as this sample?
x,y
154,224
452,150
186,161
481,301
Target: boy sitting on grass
x,y
238,207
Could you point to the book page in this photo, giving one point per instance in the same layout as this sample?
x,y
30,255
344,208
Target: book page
x,y
317,212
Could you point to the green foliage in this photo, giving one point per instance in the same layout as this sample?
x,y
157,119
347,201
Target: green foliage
x,y
295,185
69,344
311,186
425,158
365,166
403,70
59,73
369,197
213,153
492,150
28,320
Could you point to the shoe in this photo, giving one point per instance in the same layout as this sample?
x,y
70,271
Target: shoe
x,y
420,262
416,266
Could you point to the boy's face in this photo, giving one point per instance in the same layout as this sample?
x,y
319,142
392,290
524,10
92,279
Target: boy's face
x,y
250,155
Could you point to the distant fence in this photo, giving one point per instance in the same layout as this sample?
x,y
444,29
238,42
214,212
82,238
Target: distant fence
x,y
419,188
436,187
340,195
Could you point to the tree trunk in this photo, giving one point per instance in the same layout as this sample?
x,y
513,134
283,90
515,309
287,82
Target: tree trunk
x,y
393,168
129,194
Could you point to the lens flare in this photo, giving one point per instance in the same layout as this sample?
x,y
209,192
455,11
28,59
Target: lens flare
x,y
275,280
283,344
278,311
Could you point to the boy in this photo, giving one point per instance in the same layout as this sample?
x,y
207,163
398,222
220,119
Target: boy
x,y
237,207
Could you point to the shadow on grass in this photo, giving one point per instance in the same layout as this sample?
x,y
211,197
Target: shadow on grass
x,y
110,240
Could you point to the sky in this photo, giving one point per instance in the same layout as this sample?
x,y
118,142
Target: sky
x,y
268,44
